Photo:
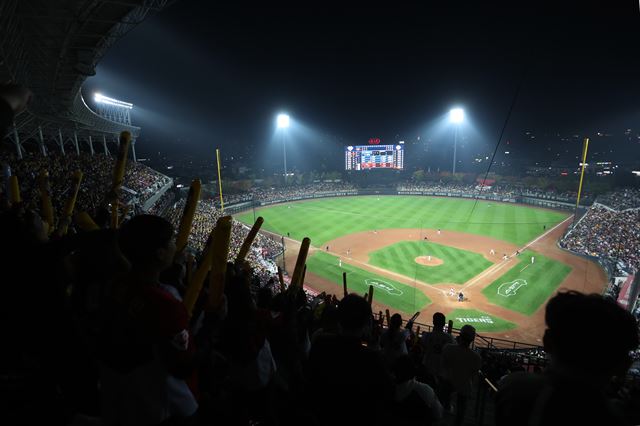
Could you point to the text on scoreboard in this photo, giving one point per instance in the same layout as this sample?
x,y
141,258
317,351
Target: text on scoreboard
x,y
364,157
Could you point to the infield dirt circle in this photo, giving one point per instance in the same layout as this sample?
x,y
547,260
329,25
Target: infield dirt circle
x,y
428,260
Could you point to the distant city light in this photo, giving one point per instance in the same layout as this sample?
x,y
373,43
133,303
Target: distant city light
x,y
101,99
456,115
283,121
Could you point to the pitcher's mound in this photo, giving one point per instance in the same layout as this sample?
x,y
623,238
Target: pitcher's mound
x,y
429,261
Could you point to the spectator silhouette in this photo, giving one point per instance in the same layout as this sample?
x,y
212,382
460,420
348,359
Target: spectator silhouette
x,y
148,350
416,402
394,340
433,343
573,389
461,365
341,368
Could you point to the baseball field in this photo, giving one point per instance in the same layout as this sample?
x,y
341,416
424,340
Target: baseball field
x,y
420,252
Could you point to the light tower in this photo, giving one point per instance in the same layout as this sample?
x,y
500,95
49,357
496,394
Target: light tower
x,y
282,122
113,109
456,116
116,111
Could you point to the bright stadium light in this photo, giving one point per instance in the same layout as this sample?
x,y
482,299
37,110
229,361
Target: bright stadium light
x,y
283,121
101,99
456,115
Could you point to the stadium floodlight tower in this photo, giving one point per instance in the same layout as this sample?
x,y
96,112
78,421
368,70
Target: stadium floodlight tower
x,y
113,109
456,116
283,123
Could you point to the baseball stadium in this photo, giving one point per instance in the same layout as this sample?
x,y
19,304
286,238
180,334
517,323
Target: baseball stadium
x,y
268,215
420,252
503,257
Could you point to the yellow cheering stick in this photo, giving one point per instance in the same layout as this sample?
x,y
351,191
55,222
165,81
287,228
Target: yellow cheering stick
x,y
189,268
14,190
121,163
115,221
46,207
246,245
344,284
195,284
84,222
220,246
283,287
304,274
296,279
387,315
370,298
63,226
184,229
118,176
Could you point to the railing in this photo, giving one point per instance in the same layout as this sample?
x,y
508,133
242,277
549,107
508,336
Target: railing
x,y
481,342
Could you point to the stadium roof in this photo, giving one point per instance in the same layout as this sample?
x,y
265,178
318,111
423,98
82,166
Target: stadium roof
x,y
53,46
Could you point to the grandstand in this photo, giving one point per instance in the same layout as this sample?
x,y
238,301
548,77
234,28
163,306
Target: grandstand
x,y
128,302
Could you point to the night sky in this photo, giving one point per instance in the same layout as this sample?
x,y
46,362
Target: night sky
x,y
204,75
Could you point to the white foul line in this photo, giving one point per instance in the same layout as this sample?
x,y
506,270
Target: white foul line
x,y
500,265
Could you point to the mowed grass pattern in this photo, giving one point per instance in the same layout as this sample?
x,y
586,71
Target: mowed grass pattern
x,y
482,321
402,297
542,278
459,265
326,219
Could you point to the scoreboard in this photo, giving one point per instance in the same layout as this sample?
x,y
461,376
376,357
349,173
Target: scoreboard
x,y
364,157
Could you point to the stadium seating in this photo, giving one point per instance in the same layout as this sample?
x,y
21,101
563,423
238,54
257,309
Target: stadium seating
x,y
108,326
609,234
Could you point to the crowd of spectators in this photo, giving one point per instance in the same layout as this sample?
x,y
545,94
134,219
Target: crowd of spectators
x,y
500,190
263,251
97,172
607,234
272,194
144,180
163,203
621,199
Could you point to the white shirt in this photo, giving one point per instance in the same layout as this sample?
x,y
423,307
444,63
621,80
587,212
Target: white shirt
x,y
394,345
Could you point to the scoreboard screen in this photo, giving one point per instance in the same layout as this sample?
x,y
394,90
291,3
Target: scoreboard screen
x,y
365,157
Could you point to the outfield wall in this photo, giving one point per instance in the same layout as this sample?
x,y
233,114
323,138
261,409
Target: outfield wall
x,y
527,200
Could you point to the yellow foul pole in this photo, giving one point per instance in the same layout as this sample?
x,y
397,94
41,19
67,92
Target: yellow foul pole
x,y
585,147
220,180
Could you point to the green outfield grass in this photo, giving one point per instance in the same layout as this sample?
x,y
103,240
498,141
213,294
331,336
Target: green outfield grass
x,y
526,286
389,292
325,219
482,321
459,265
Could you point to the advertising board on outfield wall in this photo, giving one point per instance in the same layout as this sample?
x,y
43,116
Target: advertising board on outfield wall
x,y
460,195
310,196
538,202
